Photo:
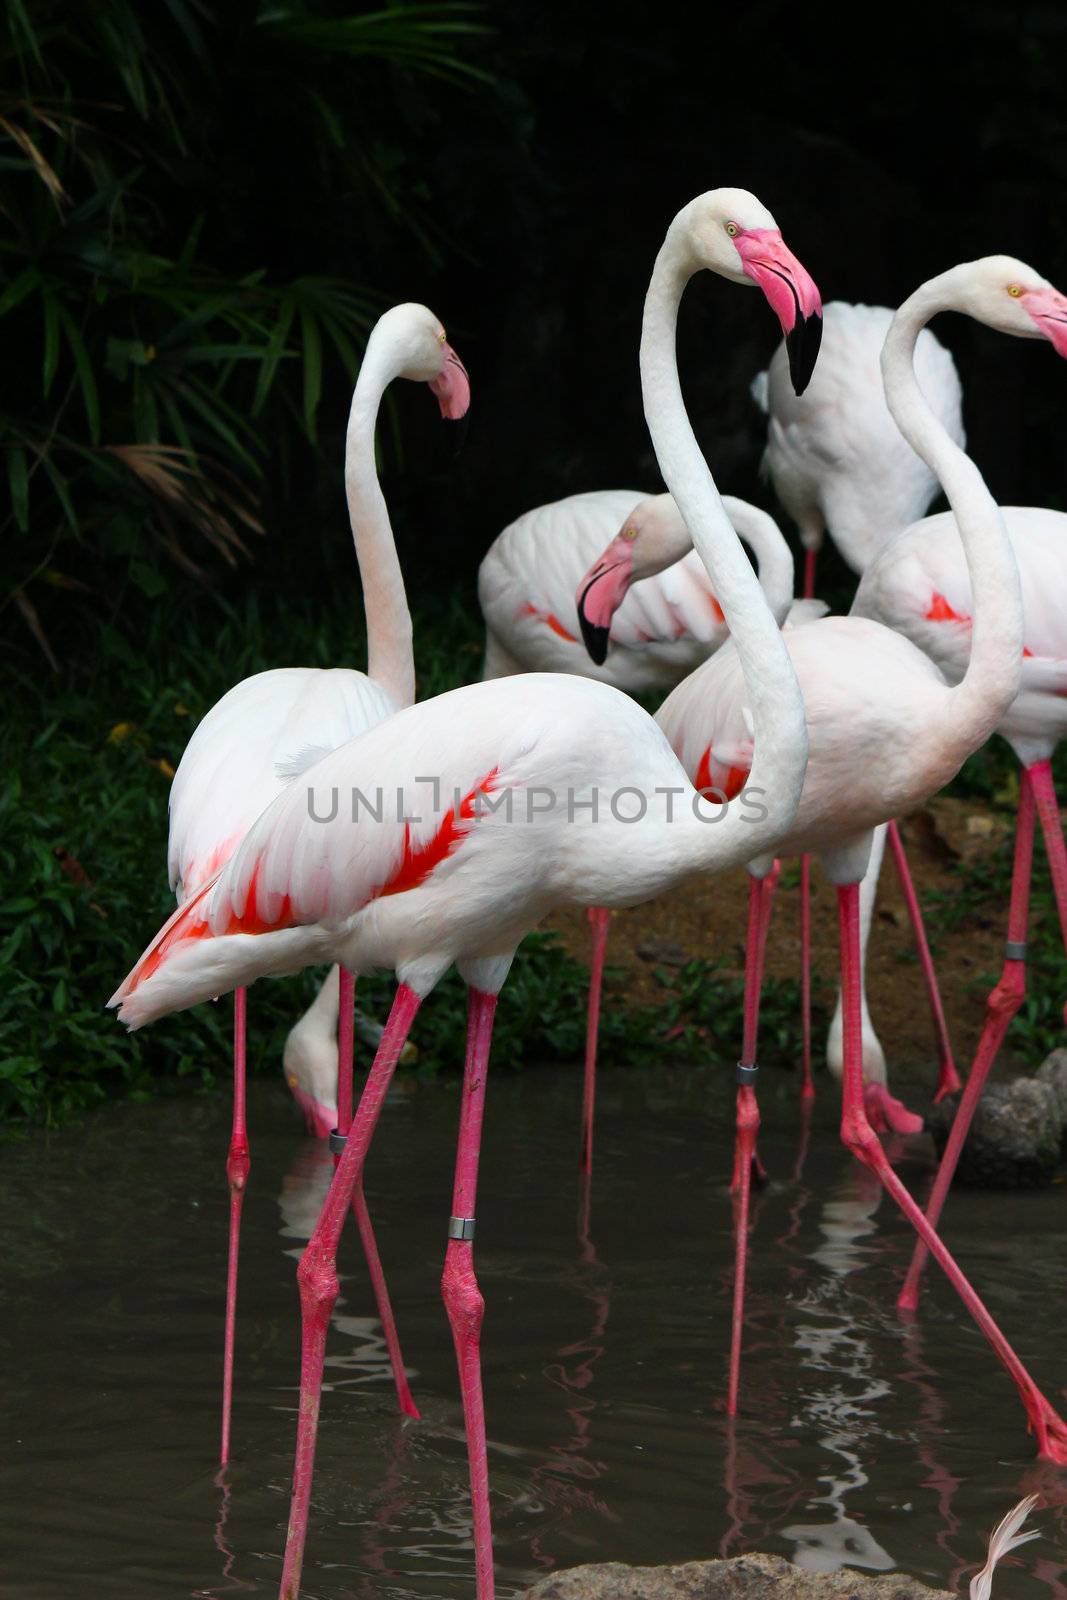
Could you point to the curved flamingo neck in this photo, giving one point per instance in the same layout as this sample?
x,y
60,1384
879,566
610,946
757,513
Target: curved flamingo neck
x,y
991,681
390,658
781,743
774,559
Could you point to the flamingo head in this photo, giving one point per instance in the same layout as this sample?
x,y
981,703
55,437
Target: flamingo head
x,y
731,233
310,1065
1010,296
421,352
652,537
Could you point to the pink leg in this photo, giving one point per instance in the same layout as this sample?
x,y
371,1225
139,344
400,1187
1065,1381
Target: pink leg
x,y
459,1285
760,896
237,1169
1048,812
859,1137
317,1276
1001,1007
345,1051
948,1079
807,1085
599,923
810,558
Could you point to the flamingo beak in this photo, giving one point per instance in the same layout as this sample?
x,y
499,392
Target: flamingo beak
x,y
791,294
601,593
321,1118
452,386
1048,312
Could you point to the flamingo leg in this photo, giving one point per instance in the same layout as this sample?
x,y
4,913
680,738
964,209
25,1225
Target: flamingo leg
x,y
859,1137
345,1051
1003,1003
1048,811
760,897
811,556
238,1164
459,1285
807,1085
948,1079
599,923
317,1276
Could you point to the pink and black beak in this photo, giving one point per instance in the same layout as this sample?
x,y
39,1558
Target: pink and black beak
x,y
452,386
791,294
1048,312
601,593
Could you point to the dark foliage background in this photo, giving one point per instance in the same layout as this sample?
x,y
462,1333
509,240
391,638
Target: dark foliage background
x,y
203,205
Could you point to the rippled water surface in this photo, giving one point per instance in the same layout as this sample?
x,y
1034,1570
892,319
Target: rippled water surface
x,y
862,1440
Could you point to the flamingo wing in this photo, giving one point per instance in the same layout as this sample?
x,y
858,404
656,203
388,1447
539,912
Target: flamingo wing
x,y
245,750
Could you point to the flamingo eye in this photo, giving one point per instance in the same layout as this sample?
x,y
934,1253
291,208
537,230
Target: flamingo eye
x,y
630,534
441,337
732,229
1015,290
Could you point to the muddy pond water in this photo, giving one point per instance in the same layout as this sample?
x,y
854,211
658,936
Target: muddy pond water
x,y
862,1440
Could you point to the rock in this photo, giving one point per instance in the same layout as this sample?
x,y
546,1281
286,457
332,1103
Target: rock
x,y
754,1577
1014,1140
1053,1071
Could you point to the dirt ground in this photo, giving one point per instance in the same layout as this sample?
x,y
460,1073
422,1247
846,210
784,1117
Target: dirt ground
x,y
707,918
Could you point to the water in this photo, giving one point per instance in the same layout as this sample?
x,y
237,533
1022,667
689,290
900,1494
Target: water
x,y
862,1440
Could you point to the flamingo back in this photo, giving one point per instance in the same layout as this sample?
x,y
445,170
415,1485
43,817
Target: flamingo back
x,y
835,456
665,626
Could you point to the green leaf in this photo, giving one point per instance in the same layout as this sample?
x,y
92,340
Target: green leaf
x,y
275,351
51,338
312,370
19,480
17,290
84,369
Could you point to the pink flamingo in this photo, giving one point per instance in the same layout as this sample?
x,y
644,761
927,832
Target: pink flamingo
x,y
565,792
663,621
919,586
885,732
265,730
668,623
838,461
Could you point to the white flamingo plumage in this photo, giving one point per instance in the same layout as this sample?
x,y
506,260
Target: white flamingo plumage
x,y
427,885
885,732
919,585
668,622
836,458
839,463
660,620
1006,1537
251,745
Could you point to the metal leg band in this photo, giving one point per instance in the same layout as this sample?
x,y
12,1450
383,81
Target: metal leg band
x,y
461,1227
337,1143
747,1075
1015,950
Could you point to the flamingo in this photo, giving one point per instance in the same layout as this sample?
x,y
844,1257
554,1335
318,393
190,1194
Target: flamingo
x,y
667,625
838,461
467,817
885,732
835,457
268,727
919,586
664,620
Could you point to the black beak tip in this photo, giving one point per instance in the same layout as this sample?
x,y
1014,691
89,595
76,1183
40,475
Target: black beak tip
x,y
802,345
595,639
457,432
